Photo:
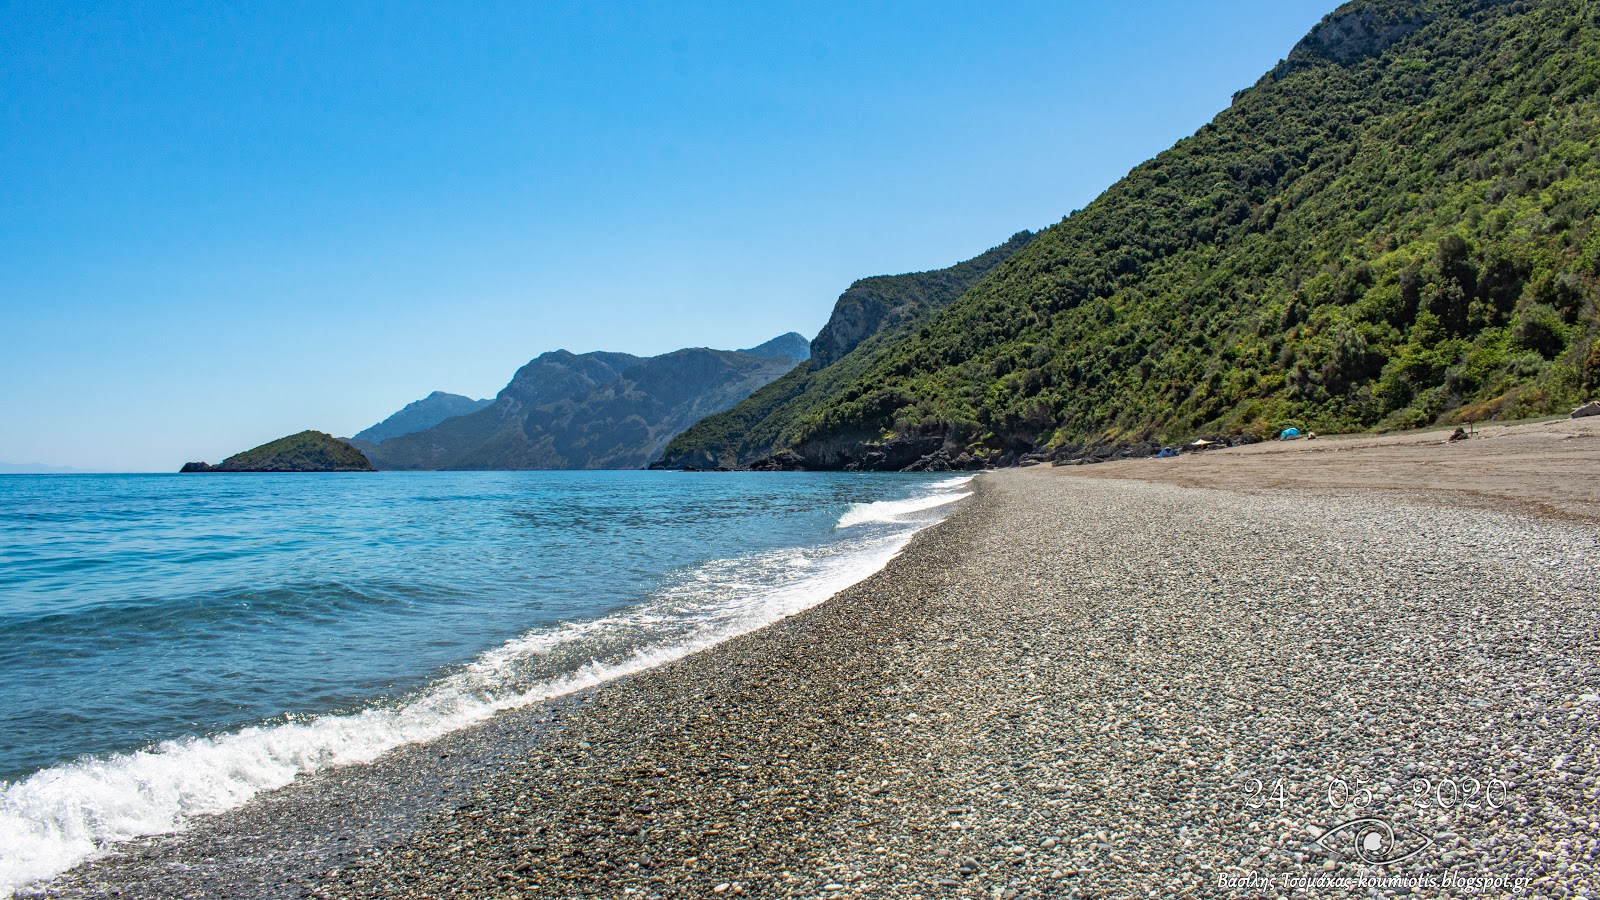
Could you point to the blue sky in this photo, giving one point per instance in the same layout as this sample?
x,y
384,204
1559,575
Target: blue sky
x,y
223,223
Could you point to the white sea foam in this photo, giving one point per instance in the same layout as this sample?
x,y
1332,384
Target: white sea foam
x,y
63,815
896,510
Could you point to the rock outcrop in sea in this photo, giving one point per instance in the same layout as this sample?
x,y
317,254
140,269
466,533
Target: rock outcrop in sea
x,y
308,451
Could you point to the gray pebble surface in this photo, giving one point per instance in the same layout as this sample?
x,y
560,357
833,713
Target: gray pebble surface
x,y
1069,688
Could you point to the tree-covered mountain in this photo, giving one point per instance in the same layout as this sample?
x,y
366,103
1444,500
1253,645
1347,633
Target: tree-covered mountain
x,y
421,414
308,451
588,411
1394,227
869,317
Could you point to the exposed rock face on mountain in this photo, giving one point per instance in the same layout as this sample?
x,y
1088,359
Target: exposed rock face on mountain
x,y
1354,32
420,415
1394,228
891,305
308,451
588,411
869,317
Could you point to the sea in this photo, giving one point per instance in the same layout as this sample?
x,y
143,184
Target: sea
x,y
173,645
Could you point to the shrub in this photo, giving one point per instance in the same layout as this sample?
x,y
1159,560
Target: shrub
x,y
1538,327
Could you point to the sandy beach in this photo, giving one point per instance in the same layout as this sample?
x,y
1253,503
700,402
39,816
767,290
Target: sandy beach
x,y
1151,678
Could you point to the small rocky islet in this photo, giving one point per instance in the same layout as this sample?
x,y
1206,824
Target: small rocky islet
x,y
308,451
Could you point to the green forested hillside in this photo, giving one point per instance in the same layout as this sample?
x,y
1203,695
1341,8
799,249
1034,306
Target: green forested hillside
x,y
868,318
1395,227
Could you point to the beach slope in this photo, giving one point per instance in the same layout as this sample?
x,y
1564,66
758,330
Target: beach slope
x,y
1074,686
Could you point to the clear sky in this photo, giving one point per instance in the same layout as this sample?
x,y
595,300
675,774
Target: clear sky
x,y
225,222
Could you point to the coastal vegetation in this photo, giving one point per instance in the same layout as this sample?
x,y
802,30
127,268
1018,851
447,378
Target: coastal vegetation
x,y
308,451
868,318
1392,228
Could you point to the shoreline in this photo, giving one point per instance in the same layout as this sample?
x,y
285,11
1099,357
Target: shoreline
x,y
1064,689
329,811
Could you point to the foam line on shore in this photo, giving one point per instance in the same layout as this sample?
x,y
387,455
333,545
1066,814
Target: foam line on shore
x,y
891,511
66,814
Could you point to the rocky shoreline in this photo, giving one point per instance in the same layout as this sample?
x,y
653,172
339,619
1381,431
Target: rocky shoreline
x,y
951,452
1071,687
937,454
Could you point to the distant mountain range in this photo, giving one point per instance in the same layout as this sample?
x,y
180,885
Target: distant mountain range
x,y
785,346
564,410
1393,227
421,415
11,468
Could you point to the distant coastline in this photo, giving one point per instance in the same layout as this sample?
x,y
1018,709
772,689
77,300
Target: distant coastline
x,y
10,468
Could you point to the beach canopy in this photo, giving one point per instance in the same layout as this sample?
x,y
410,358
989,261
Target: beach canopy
x,y
1290,433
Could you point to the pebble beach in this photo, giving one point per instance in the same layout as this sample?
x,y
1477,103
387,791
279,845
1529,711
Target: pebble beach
x,y
1071,687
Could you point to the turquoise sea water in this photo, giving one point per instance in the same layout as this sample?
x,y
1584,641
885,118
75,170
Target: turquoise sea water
x,y
171,645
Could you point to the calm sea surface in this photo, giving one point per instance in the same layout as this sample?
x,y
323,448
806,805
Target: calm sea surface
x,y
171,645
